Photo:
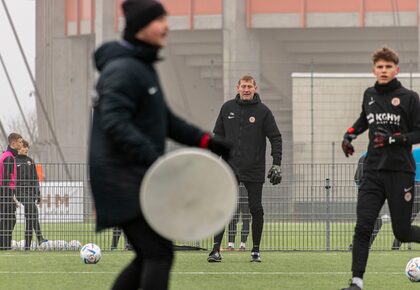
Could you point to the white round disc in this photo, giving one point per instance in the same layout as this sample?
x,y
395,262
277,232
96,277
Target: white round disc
x,y
188,195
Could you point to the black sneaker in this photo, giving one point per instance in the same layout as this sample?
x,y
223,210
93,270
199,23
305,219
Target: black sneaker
x,y
396,245
42,241
352,286
255,257
214,257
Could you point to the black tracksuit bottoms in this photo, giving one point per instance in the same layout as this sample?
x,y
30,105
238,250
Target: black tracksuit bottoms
x,y
31,221
7,218
241,210
150,268
377,185
254,190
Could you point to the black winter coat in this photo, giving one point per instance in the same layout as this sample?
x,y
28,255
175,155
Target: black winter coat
x,y
247,124
130,123
27,185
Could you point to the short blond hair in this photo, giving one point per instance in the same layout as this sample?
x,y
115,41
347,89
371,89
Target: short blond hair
x,y
247,79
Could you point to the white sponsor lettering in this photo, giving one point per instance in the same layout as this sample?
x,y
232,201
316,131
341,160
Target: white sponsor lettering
x,y
384,118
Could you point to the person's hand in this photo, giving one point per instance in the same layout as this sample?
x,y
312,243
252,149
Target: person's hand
x,y
383,137
216,144
274,174
346,146
220,146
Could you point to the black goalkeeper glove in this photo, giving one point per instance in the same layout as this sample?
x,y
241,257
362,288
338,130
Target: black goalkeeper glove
x,y
383,137
274,174
346,146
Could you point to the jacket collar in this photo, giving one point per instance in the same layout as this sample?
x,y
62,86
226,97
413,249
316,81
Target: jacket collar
x,y
14,151
255,100
388,87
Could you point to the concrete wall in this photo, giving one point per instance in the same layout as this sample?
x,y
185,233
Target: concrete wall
x,y
201,67
64,78
333,102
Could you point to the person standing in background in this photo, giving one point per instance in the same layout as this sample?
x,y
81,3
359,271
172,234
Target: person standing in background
x,y
28,194
8,190
247,123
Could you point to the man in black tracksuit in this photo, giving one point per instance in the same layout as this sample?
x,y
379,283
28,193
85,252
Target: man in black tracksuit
x,y
8,190
392,115
247,122
28,194
131,121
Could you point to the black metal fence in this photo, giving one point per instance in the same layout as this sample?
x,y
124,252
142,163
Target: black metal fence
x,y
313,209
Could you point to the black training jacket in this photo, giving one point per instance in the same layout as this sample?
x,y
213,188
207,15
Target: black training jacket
x,y
396,109
247,124
27,185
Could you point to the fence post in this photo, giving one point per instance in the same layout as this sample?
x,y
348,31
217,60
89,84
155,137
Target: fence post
x,y
328,210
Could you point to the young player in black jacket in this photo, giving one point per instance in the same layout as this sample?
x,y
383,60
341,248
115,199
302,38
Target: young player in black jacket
x,y
392,115
28,194
247,123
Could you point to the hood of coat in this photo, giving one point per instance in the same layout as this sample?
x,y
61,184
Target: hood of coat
x,y
120,49
255,100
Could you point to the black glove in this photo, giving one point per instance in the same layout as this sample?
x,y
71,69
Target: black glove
x,y
274,174
346,146
383,137
218,146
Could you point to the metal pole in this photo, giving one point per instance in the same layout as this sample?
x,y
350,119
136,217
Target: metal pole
x,y
327,218
6,72
312,112
3,132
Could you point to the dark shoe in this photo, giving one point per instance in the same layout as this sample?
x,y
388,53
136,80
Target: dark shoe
x,y
42,241
214,257
255,257
396,245
352,287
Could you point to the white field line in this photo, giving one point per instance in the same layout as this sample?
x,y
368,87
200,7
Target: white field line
x,y
203,273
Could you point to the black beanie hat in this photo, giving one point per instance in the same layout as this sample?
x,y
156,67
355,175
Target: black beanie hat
x,y
139,13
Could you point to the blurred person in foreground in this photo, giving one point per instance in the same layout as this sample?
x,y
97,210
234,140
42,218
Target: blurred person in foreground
x,y
392,114
247,123
8,203
28,194
131,121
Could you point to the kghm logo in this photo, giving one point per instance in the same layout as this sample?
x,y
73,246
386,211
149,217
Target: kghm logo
x,y
383,118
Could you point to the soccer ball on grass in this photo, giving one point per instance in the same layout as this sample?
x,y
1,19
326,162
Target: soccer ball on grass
x,y
412,270
90,254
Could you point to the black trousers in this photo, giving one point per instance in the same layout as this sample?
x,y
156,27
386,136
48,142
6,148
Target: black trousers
x,y
254,190
241,211
31,221
116,234
7,218
398,188
151,267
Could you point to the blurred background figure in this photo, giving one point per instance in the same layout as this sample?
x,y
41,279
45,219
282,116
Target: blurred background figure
x,y
28,194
